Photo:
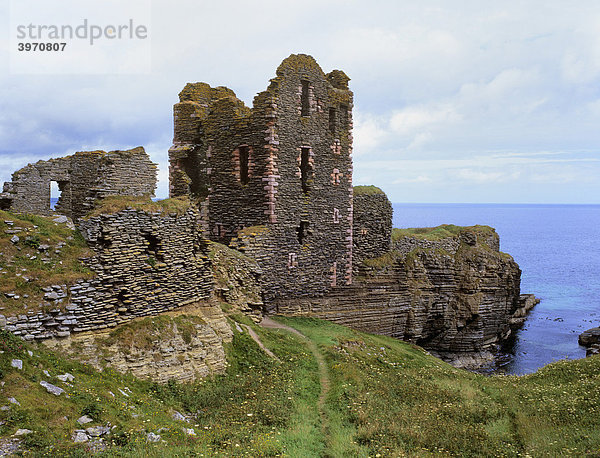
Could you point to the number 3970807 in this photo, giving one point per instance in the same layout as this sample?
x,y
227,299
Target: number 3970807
x,y
41,46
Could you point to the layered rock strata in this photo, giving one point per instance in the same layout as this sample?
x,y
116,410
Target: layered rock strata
x,y
184,346
454,295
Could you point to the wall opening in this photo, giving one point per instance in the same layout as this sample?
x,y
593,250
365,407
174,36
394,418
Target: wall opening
x,y
344,116
305,110
332,120
55,193
121,305
192,168
303,231
244,163
103,241
154,248
305,169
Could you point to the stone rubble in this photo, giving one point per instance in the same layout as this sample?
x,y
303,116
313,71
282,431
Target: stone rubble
x,y
52,389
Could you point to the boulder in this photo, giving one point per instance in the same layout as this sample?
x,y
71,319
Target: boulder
x,y
56,391
590,337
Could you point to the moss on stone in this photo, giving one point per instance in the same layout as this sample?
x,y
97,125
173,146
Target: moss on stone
x,y
253,231
46,254
367,190
386,260
439,232
115,204
143,334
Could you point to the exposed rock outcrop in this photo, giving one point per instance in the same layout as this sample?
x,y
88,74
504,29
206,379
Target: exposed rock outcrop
x,y
591,340
454,295
182,346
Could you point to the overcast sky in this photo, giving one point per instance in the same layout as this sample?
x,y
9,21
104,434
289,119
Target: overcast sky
x,y
455,101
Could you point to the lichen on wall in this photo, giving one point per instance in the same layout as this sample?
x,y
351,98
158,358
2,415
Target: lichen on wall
x,y
285,164
372,223
82,178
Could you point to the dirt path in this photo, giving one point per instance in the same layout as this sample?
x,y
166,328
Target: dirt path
x,y
323,373
259,342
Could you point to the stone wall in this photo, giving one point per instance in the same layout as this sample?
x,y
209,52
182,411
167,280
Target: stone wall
x,y
145,264
82,178
372,233
455,302
284,165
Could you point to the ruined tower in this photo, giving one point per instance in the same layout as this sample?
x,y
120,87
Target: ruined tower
x,y
275,180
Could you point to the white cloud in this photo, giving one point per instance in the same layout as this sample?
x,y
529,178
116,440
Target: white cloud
x,y
413,119
450,96
368,133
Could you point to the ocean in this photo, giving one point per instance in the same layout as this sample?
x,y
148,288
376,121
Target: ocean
x,y
558,250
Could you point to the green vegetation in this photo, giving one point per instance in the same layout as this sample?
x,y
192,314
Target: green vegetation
x,y
439,232
144,333
385,398
114,204
47,253
386,260
367,190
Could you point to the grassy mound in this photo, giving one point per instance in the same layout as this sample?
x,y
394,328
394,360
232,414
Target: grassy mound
x,y
438,232
367,190
385,397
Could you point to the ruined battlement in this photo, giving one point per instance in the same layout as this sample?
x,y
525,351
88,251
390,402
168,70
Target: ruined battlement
x,y
82,178
285,164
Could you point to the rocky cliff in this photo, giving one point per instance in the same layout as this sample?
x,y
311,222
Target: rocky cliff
x,y
447,289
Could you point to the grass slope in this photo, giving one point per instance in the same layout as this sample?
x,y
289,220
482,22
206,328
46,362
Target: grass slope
x,y
385,398
47,253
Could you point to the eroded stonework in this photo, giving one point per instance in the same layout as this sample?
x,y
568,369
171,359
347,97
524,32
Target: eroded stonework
x,y
82,178
144,264
372,223
276,178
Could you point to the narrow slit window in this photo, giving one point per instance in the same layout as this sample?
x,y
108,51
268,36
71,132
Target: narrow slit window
x,y
244,162
304,98
305,169
154,249
332,120
344,116
303,231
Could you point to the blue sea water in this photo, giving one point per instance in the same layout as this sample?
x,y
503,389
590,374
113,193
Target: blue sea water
x,y
558,250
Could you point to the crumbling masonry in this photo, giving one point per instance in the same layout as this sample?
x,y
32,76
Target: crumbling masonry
x,y
275,181
82,178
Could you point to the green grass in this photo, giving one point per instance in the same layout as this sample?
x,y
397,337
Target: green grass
x,y
114,204
367,190
438,232
385,397
25,270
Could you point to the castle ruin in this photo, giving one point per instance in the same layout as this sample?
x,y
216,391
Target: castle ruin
x,y
275,180
82,178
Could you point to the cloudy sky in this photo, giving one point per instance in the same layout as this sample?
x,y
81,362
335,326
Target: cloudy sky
x,y
455,101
